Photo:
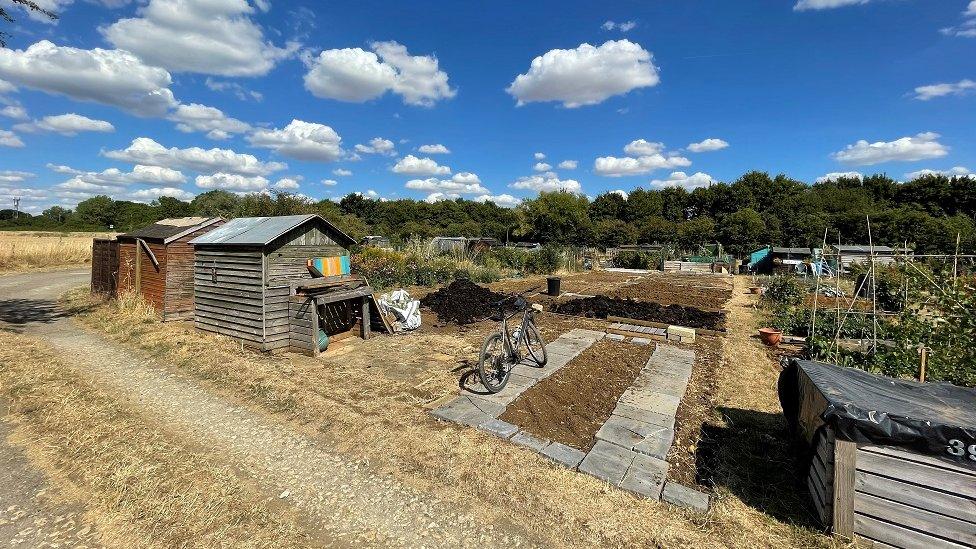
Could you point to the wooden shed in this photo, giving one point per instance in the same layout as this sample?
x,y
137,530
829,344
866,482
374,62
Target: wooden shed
x,y
891,462
247,271
156,261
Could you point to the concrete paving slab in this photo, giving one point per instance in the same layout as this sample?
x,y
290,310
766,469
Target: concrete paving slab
x,y
499,428
566,455
462,410
654,418
646,477
615,337
530,441
517,384
641,341
651,402
607,461
656,444
627,432
677,494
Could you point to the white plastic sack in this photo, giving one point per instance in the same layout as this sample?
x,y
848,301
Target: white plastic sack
x,y
405,310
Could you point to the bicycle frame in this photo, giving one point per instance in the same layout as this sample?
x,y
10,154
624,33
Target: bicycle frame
x,y
511,350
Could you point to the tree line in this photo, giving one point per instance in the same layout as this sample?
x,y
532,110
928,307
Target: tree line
x,y
756,209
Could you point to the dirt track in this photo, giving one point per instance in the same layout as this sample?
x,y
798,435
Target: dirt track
x,y
347,503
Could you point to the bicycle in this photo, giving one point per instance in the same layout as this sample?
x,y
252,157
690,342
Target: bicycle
x,y
503,350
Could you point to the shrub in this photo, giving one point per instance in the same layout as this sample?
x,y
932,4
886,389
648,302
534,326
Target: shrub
x,y
637,260
783,289
511,258
545,260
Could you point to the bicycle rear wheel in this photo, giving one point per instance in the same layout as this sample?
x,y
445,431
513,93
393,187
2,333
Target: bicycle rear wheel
x,y
535,344
494,365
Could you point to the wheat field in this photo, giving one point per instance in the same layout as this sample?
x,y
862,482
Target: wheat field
x,y
21,251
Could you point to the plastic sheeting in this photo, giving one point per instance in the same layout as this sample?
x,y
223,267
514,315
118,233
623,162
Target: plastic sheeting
x,y
403,308
932,418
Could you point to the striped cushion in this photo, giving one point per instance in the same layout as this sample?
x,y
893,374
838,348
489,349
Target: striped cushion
x,y
331,266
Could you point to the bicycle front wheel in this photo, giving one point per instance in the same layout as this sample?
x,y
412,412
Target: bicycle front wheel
x,y
535,344
494,365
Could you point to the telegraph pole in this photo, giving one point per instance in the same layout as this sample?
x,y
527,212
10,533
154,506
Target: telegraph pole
x,y
16,207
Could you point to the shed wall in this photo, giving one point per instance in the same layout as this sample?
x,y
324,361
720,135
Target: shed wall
x,y
228,292
287,255
178,294
150,279
105,266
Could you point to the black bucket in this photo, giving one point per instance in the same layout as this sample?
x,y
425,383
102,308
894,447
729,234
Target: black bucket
x,y
552,286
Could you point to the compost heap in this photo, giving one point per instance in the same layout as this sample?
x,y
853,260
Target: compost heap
x,y
462,302
603,306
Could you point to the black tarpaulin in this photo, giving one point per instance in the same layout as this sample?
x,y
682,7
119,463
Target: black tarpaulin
x,y
933,418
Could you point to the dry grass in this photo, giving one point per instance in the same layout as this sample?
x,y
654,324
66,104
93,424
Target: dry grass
x,y
371,400
20,251
142,487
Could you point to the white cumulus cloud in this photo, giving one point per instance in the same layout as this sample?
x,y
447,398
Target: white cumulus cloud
x,y
931,91
626,26
203,36
461,183
232,182
958,171
612,166
643,147
834,176
287,183
434,149
568,165
8,177
340,172
539,156
212,121
14,111
586,75
803,5
906,149
378,145
967,28
412,165
110,77
301,140
503,200
330,182
144,150
710,144
357,75
154,193
683,180
66,124
10,139
542,167
545,183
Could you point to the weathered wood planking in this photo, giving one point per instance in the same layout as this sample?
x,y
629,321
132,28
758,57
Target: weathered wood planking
x,y
105,266
228,304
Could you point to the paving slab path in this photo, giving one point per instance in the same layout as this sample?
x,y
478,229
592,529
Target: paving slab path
x,y
348,504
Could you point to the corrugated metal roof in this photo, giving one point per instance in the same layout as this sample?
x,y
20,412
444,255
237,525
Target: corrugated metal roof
x,y
167,229
792,251
258,231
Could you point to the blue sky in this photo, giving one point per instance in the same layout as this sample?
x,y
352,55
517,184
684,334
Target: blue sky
x,y
141,99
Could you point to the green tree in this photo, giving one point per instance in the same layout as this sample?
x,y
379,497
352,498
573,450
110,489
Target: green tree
x,y
216,203
558,217
97,211
741,232
610,233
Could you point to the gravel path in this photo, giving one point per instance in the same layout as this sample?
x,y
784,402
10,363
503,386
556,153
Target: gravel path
x,y
347,503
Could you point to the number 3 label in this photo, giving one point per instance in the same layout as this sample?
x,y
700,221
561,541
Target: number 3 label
x,y
958,448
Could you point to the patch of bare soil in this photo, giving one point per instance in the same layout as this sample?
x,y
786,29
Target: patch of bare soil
x,y
602,307
695,408
571,405
699,292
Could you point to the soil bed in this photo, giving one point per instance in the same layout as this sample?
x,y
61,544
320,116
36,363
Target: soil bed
x,y
571,405
462,302
696,407
602,307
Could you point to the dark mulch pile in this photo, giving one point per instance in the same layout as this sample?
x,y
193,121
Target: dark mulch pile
x,y
462,302
602,307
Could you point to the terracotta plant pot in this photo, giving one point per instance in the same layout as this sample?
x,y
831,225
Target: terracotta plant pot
x,y
771,336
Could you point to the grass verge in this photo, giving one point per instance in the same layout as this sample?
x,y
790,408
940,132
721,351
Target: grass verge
x,y
141,486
